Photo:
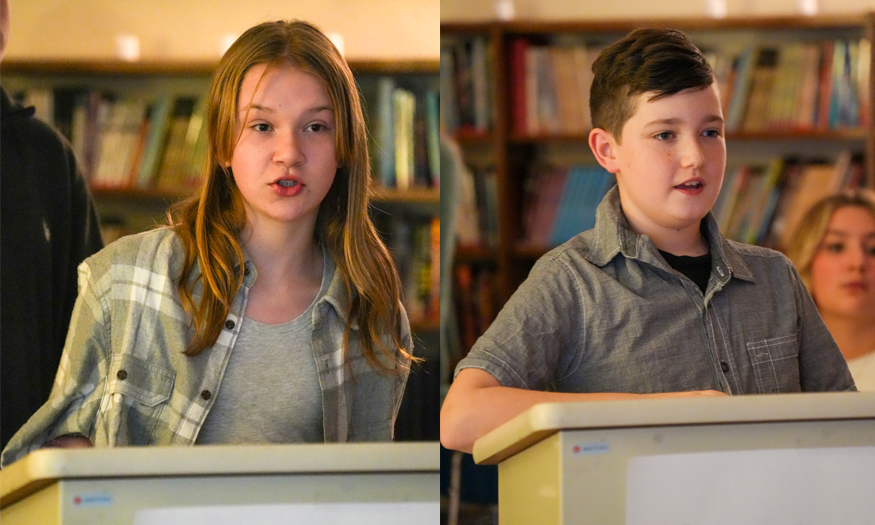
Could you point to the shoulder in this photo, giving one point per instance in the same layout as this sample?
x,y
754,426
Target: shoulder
x,y
158,251
760,265
577,257
22,129
755,252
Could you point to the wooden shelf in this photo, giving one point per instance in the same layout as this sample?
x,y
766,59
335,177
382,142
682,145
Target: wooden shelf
x,y
476,255
194,68
139,194
545,27
425,325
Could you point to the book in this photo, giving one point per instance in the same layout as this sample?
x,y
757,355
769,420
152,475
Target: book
x,y
173,165
517,73
449,108
762,82
182,135
432,126
385,132
744,65
824,90
806,107
404,111
153,150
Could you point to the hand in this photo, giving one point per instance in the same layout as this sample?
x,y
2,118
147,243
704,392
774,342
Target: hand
x,y
69,441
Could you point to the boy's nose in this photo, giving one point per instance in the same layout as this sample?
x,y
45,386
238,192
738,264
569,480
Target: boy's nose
x,y
692,154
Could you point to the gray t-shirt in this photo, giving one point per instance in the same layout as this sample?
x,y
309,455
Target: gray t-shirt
x,y
270,391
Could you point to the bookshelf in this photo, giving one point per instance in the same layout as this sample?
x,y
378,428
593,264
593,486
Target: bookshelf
x,y
128,205
516,151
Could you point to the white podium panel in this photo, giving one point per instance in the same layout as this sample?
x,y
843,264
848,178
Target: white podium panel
x,y
385,483
598,463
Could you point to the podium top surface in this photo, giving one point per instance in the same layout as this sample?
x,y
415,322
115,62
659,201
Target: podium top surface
x,y
45,466
542,421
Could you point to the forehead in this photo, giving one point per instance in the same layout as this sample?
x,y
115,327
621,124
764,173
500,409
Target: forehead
x,y
687,104
852,219
280,80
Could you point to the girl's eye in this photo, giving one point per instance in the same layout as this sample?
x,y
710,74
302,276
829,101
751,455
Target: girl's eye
x,y
261,126
834,247
317,127
870,250
664,135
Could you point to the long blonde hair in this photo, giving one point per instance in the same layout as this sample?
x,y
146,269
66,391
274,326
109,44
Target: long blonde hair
x,y
211,222
809,234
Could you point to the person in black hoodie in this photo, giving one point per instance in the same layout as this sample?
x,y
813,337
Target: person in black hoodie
x,y
48,225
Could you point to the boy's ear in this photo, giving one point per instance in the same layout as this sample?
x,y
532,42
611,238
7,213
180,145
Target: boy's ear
x,y
603,147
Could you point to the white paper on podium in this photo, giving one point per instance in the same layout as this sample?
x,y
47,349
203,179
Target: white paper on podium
x,y
812,486
402,513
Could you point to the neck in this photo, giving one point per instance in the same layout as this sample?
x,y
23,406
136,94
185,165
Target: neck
x,y
687,241
282,253
855,336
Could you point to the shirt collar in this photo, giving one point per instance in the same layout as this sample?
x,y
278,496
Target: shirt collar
x,y
614,236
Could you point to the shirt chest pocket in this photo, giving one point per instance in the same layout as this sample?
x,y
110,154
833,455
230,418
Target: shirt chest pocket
x,y
775,364
137,391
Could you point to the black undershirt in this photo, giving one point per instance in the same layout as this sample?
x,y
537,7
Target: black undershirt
x,y
698,269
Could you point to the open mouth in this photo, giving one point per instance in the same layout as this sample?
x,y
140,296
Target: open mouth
x,y
287,183
692,185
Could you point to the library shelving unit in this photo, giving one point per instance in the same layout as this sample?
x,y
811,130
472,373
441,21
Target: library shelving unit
x,y
511,151
64,91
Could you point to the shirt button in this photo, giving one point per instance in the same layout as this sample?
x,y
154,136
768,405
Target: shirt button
x,y
122,375
206,395
229,324
725,366
245,271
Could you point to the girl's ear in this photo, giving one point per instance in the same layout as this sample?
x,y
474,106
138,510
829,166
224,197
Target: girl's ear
x,y
604,147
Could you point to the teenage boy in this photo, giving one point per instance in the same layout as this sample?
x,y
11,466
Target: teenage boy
x,y
653,301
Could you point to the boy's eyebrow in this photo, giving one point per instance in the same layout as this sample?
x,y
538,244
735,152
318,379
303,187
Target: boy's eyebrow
x,y
675,121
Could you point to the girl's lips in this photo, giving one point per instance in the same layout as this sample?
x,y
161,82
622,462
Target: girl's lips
x,y
287,187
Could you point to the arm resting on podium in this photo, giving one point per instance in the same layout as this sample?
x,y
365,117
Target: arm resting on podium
x,y
476,404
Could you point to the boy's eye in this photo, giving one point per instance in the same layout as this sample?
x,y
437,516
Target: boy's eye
x,y
712,133
663,135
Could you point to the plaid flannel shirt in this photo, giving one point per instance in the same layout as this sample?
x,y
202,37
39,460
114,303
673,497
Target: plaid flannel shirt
x,y
124,381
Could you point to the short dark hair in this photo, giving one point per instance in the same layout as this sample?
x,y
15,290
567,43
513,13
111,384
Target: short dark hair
x,y
662,61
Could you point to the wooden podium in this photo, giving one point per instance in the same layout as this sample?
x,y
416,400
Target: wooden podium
x,y
385,483
662,461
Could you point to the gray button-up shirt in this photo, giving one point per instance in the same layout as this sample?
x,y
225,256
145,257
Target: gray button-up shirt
x,y
604,312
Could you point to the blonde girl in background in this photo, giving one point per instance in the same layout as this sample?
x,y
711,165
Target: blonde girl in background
x,y
834,250
269,310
